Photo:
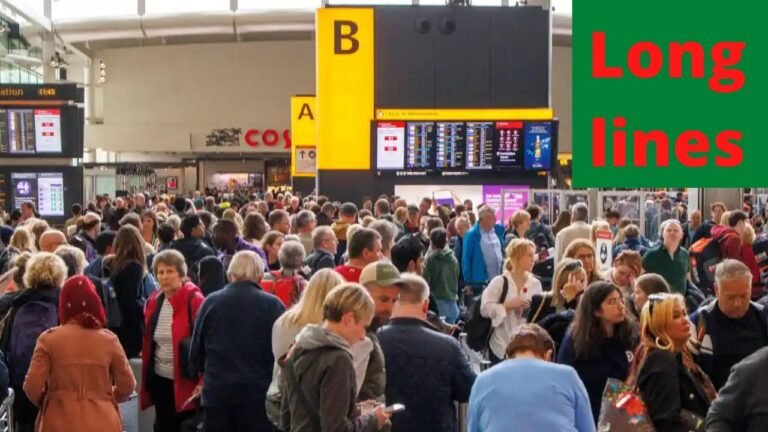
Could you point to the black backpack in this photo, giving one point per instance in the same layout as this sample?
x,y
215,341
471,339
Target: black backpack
x,y
478,327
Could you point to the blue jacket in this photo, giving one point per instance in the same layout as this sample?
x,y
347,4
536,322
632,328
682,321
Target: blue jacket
x,y
472,262
426,371
232,344
632,244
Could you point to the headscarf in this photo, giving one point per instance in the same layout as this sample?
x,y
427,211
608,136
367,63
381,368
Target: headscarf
x,y
79,302
212,275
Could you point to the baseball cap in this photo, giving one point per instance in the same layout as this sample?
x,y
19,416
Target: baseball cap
x,y
381,273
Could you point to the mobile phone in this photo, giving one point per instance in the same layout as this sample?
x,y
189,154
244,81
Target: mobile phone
x,y
394,408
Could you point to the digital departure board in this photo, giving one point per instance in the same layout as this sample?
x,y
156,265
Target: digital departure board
x,y
479,143
508,145
390,149
419,145
30,131
45,190
451,146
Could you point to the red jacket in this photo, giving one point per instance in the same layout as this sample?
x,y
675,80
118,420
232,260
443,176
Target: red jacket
x,y
731,244
182,387
748,258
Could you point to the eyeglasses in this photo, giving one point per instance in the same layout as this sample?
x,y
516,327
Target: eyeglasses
x,y
585,256
656,298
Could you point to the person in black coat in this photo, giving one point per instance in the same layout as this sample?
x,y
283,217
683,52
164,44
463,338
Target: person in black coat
x,y
322,256
232,348
192,246
739,407
673,387
212,275
426,370
126,269
594,351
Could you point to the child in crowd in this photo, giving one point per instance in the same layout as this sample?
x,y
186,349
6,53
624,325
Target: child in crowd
x,y
441,271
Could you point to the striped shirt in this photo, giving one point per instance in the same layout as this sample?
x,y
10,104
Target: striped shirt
x,y
164,341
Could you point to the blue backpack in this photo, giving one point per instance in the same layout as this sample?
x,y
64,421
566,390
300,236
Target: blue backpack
x,y
31,320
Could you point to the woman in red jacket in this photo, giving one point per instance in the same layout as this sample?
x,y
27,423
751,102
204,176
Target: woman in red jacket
x,y
169,316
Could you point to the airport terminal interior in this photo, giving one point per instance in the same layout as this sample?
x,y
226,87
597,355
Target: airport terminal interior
x,y
348,215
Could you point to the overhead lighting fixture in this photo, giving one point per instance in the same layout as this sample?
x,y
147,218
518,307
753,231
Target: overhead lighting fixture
x,y
102,72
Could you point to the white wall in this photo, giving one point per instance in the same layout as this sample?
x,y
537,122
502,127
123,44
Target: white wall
x,y
157,98
167,98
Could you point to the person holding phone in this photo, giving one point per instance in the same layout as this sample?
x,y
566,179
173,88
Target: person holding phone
x,y
318,375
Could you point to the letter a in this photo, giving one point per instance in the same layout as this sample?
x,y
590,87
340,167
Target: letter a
x,y
306,111
339,36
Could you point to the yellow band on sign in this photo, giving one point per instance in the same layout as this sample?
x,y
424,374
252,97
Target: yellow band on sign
x,y
345,88
303,127
466,114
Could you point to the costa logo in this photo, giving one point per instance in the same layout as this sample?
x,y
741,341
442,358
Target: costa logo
x,y
268,137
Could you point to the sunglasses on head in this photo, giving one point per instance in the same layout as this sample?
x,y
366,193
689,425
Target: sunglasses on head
x,y
573,265
656,298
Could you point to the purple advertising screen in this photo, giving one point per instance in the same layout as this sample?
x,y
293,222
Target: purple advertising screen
x,y
516,198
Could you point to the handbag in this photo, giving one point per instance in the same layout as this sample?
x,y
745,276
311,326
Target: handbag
x,y
185,345
194,423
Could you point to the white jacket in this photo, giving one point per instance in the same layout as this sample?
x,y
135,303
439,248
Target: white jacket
x,y
577,230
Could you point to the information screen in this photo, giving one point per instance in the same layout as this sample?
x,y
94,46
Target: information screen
x,y
45,190
508,148
420,145
538,145
390,145
480,145
30,131
451,146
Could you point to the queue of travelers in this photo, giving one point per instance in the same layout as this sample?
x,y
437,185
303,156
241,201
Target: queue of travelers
x,y
273,313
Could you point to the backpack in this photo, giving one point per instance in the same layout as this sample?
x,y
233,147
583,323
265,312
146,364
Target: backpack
x,y
286,288
478,327
109,298
705,254
30,321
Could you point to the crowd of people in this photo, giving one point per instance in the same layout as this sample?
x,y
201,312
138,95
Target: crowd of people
x,y
273,312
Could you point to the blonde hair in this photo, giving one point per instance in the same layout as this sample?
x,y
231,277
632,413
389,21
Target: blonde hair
x,y
570,252
748,236
345,298
401,215
519,217
37,227
309,309
351,230
515,249
367,221
235,217
724,218
46,269
22,240
20,264
654,325
565,267
599,225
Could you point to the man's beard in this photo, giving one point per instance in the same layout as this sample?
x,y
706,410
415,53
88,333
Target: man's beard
x,y
377,322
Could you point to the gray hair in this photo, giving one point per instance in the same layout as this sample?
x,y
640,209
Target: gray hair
x,y
462,221
291,255
170,257
72,256
320,234
580,212
246,266
174,221
485,211
414,289
388,232
731,269
304,218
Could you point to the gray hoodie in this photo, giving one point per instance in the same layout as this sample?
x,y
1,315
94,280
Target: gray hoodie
x,y
324,374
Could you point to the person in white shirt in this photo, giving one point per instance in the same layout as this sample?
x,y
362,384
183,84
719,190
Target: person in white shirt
x,y
509,314
579,229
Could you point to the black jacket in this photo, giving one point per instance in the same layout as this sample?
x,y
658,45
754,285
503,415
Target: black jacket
x,y
194,249
127,284
667,388
426,371
741,406
318,259
232,344
324,220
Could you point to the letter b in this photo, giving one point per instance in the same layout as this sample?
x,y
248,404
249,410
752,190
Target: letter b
x,y
339,35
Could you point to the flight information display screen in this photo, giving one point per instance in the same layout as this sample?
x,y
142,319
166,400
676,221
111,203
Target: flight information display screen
x,y
45,190
420,145
451,146
390,145
508,145
479,143
30,131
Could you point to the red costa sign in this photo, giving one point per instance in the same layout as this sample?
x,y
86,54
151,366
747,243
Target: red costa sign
x,y
268,137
